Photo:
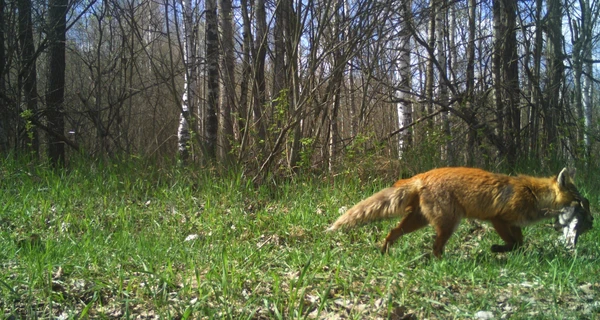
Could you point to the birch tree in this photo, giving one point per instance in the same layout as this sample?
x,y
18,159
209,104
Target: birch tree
x,y
405,106
190,81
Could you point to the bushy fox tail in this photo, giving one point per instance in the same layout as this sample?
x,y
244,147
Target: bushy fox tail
x,y
387,203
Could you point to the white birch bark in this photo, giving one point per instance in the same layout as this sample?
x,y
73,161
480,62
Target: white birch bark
x,y
440,36
188,99
404,105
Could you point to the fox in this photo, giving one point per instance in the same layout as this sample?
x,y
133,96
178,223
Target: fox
x,y
443,197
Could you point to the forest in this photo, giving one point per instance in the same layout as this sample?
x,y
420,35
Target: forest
x,y
282,86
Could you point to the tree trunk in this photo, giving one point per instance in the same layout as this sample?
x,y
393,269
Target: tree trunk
x,y
242,110
293,79
470,84
189,96
506,77
510,75
28,74
228,97
405,115
57,13
429,73
259,87
5,119
339,63
536,95
212,78
499,34
442,96
555,73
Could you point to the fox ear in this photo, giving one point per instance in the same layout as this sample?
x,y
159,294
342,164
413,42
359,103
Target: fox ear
x,y
565,176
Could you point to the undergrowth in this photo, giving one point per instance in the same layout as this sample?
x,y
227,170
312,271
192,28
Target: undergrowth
x,y
130,240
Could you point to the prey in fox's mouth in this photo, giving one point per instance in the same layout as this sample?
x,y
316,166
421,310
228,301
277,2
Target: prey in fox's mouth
x,y
574,221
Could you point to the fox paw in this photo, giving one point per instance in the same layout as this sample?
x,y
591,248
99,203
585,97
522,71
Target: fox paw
x,y
499,248
385,249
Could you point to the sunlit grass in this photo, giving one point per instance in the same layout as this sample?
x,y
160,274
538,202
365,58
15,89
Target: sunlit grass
x,y
131,240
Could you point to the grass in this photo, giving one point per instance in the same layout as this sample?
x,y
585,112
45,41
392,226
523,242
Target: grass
x,y
133,241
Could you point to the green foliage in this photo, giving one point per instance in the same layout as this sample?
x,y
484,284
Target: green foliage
x,y
306,152
280,111
129,239
26,115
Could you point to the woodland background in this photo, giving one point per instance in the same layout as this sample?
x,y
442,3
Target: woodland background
x,y
278,86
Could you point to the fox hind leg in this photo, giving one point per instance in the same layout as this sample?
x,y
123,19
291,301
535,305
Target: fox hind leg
x,y
443,233
411,222
512,236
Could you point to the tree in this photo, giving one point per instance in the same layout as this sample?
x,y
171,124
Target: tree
x,y
259,86
470,81
57,21
405,105
228,95
555,56
28,70
506,77
4,109
442,95
189,96
211,123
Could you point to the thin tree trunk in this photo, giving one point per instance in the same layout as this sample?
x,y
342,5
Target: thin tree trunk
x,y
534,113
28,73
499,34
4,120
470,84
405,114
242,110
57,13
189,96
297,112
258,89
556,72
429,73
440,31
228,96
510,75
212,65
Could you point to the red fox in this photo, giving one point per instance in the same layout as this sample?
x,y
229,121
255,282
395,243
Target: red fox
x,y
443,197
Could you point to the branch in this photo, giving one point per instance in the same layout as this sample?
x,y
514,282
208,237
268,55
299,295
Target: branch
x,y
414,123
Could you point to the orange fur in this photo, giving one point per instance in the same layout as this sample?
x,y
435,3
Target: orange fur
x,y
443,197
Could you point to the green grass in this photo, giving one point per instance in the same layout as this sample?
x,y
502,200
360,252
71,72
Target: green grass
x,y
110,242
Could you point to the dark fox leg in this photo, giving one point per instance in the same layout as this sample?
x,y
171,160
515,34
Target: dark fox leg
x,y
443,233
411,222
512,236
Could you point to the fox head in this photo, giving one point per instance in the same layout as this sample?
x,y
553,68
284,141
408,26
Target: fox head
x,y
566,191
